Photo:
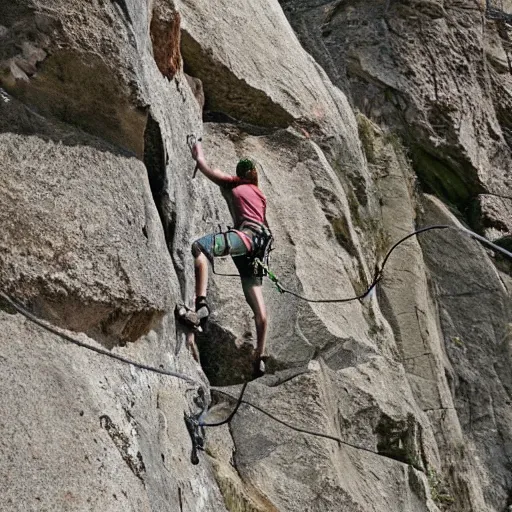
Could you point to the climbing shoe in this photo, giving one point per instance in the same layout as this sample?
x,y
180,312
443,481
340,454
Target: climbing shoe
x,y
188,318
202,310
258,367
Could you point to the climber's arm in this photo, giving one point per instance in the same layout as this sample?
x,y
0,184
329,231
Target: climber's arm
x,y
217,176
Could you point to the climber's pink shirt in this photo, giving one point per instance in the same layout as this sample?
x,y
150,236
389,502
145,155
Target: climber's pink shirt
x,y
247,203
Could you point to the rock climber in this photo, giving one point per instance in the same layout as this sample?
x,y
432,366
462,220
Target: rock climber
x,y
244,243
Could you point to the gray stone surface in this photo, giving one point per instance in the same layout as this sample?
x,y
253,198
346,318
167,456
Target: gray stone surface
x,y
81,238
423,69
81,432
247,78
406,301
98,210
300,472
475,311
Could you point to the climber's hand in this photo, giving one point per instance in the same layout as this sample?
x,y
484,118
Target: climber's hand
x,y
197,152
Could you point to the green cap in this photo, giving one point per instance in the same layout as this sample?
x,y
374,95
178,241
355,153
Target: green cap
x,y
243,166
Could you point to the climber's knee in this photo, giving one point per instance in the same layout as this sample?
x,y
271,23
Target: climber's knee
x,y
196,249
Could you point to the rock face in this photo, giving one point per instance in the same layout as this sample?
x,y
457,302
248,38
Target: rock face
x,y
88,263
439,73
410,388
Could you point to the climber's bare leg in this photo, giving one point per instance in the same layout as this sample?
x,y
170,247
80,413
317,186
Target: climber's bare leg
x,y
253,292
201,273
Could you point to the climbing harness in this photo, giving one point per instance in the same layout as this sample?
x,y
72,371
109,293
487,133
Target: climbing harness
x,y
227,249
262,242
269,274
227,243
192,140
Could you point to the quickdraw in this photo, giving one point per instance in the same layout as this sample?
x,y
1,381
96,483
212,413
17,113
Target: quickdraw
x,y
269,274
194,426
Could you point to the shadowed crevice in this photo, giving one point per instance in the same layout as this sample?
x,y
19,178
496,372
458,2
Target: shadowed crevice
x,y
227,360
224,361
156,160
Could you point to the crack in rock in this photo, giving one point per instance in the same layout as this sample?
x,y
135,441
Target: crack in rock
x,y
123,445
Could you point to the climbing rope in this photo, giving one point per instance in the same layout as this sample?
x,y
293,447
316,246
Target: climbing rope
x,y
20,309
233,412
379,270
195,423
240,401
301,430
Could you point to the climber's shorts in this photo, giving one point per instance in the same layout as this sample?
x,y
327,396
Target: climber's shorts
x,y
214,246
